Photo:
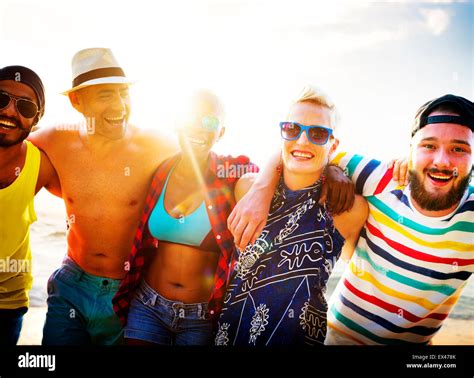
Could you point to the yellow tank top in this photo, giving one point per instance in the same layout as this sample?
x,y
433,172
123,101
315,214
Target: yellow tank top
x,y
17,213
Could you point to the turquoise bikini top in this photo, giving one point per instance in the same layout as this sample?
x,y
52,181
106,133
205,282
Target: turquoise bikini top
x,y
194,229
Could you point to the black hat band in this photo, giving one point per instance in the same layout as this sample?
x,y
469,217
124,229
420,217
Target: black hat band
x,y
97,74
444,119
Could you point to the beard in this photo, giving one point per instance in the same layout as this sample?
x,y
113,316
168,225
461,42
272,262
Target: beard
x,y
436,202
5,143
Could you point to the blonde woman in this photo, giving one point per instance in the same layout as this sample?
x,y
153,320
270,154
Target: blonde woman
x,y
276,290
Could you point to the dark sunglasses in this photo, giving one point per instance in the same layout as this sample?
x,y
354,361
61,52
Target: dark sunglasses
x,y
27,108
316,134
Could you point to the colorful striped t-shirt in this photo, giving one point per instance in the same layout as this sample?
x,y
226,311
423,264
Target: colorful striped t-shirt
x,y
408,270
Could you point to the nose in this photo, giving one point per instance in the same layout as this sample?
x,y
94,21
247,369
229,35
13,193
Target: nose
x,y
119,103
441,158
303,139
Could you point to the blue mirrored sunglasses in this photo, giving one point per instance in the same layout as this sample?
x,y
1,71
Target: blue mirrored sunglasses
x,y
209,123
316,134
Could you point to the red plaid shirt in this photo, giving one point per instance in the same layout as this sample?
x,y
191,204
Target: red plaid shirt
x,y
221,176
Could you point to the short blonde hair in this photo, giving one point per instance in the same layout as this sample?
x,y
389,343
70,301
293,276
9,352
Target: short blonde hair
x,y
315,95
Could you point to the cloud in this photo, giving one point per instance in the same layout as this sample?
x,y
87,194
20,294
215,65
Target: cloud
x,y
436,20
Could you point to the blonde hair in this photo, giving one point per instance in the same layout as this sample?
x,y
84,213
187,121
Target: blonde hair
x,y
315,95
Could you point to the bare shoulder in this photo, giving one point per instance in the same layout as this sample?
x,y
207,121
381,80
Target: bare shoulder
x,y
46,137
41,135
354,218
151,137
244,184
155,142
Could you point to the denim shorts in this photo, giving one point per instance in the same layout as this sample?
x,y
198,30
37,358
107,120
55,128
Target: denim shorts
x,y
157,320
80,308
10,325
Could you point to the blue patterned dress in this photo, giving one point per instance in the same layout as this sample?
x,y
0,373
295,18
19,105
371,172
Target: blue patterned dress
x,y
276,290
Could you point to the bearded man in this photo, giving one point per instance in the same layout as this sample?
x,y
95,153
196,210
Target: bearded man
x,y
24,170
415,253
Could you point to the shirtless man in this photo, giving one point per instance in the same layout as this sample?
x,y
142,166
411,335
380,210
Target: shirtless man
x,y
105,171
105,167
24,170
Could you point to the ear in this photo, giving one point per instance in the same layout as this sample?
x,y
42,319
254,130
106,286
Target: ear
x,y
334,145
410,157
221,133
75,100
35,121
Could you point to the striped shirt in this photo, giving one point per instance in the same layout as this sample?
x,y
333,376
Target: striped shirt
x,y
408,270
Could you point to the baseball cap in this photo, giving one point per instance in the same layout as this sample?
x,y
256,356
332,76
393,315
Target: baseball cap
x,y
463,106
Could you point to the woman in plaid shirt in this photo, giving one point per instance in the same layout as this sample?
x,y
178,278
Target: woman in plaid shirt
x,y
174,286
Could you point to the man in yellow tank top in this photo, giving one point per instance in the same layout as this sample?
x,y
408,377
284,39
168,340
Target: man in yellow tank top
x,y
24,170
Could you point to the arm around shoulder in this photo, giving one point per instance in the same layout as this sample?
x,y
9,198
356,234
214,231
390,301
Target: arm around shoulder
x,y
43,137
166,145
243,185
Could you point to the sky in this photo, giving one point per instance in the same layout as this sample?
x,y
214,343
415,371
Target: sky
x,y
378,60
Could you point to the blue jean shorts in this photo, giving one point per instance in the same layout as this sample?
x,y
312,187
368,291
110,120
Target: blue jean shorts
x,y
80,308
10,325
158,320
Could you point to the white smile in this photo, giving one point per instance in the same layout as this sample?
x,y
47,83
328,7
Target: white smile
x,y
7,124
115,120
197,141
440,177
302,155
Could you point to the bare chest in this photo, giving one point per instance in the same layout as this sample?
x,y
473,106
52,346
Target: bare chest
x,y
119,179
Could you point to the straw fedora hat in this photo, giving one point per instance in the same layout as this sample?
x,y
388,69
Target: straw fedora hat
x,y
95,66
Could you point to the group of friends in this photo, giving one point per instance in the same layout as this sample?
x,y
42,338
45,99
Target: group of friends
x,y
169,243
